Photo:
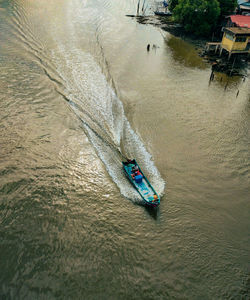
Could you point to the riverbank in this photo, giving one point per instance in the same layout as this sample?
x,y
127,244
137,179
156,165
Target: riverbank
x,y
237,66
176,29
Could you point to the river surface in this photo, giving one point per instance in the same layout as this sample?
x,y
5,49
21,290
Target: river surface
x,y
77,88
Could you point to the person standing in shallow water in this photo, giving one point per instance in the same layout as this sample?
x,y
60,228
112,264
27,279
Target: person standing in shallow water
x,y
148,47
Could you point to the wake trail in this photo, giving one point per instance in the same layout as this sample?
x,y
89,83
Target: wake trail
x,y
96,104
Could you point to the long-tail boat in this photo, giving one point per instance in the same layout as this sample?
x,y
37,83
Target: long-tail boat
x,y
141,183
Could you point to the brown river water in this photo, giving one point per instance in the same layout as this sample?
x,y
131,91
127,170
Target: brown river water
x,y
77,86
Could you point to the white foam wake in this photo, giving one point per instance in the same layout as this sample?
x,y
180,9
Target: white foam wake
x,y
101,111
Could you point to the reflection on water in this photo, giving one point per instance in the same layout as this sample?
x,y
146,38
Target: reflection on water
x,y
232,81
184,52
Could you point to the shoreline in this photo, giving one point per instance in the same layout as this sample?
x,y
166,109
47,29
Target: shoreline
x,y
237,66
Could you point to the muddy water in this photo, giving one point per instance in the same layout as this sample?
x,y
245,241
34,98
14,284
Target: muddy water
x,y
78,88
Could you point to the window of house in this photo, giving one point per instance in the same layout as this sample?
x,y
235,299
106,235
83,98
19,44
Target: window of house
x,y
229,36
240,39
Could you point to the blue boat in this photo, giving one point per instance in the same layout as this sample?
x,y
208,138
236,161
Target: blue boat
x,y
141,183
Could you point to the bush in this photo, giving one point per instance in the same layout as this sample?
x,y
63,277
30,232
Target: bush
x,y
227,6
197,16
172,4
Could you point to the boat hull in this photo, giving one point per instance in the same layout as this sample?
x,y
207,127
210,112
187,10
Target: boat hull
x,y
144,188
163,14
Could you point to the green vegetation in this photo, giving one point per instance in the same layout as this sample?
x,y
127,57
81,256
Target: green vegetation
x,y
200,16
172,4
197,16
227,6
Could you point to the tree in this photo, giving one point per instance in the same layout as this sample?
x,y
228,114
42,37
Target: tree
x,y
172,4
197,16
227,6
